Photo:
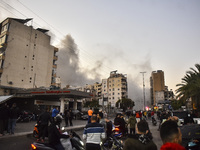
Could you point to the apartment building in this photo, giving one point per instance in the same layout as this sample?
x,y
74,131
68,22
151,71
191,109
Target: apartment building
x,y
117,87
157,86
27,60
97,89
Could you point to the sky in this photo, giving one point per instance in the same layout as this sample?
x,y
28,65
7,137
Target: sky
x,y
96,37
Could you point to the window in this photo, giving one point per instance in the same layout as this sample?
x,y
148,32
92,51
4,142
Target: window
x,y
113,93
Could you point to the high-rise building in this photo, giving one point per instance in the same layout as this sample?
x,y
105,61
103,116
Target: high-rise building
x,y
157,84
117,87
27,60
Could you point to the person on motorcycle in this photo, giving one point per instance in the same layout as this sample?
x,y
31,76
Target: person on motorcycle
x,y
43,122
55,135
141,140
119,121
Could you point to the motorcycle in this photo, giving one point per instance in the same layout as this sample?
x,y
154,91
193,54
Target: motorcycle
x,y
25,116
117,131
73,142
112,143
36,131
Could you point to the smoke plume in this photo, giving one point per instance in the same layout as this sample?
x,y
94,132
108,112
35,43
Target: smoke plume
x,y
68,65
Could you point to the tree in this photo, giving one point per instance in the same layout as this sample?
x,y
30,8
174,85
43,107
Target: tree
x,y
125,103
93,103
190,86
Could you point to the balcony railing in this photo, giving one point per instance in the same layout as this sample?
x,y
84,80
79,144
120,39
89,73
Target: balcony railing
x,y
55,66
55,49
55,58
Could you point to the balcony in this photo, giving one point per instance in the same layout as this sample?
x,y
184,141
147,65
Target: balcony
x,y
55,58
55,49
2,57
54,75
1,70
4,33
55,66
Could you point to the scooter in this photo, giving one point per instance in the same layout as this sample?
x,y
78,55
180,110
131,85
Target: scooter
x,y
113,143
117,131
36,131
72,143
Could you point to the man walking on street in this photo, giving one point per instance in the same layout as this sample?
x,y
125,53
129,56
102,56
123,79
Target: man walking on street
x,y
93,134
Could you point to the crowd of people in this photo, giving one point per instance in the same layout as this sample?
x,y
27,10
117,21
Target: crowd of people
x,y
135,127
139,136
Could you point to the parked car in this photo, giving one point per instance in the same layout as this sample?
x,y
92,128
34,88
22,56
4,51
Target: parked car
x,y
84,115
76,114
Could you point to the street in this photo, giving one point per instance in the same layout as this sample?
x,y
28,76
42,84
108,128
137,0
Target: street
x,y
24,142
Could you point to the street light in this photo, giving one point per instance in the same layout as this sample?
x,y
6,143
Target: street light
x,y
143,88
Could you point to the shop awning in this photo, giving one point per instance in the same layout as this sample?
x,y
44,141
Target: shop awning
x,y
5,98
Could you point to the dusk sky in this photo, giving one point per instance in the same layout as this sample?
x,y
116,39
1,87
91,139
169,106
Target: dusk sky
x,y
130,36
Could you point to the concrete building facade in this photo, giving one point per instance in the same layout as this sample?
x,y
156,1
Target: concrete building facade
x,y
27,60
157,86
117,87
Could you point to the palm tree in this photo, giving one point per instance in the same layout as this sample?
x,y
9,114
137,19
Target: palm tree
x,y
190,86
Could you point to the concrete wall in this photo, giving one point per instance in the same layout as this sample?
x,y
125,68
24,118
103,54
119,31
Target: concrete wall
x,y
28,58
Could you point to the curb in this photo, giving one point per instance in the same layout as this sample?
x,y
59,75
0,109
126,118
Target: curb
x,y
74,128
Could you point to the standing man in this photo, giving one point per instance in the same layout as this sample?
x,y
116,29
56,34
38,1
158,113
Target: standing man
x,y
93,134
142,140
109,127
43,122
171,136
13,115
55,111
90,112
70,117
66,113
132,121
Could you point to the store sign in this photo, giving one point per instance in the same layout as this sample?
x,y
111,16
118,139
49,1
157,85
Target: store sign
x,y
42,102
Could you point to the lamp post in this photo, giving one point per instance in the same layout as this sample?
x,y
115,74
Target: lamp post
x,y
143,88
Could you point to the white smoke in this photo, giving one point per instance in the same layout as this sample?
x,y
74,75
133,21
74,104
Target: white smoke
x,y
71,74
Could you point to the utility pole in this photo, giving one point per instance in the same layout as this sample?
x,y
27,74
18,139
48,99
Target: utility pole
x,y
143,89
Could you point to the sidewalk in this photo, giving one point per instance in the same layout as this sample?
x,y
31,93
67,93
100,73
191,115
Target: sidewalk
x,y
26,128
